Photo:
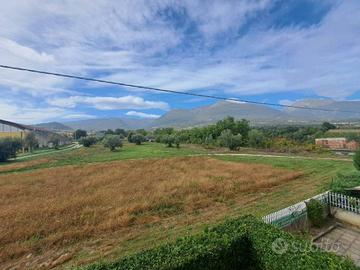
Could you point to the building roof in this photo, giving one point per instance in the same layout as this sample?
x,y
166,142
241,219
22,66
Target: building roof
x,y
331,139
21,126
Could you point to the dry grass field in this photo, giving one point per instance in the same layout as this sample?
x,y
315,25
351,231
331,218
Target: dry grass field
x,y
63,207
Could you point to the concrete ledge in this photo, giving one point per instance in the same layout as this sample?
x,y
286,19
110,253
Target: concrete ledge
x,y
347,217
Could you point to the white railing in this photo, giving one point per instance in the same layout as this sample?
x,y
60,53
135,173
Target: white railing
x,y
348,203
292,213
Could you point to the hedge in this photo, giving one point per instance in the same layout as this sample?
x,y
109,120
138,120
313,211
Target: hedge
x,y
244,243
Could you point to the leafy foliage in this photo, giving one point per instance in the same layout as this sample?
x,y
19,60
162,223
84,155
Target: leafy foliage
x,y
315,212
357,160
55,141
227,139
256,138
137,138
88,141
344,181
79,133
245,243
30,141
327,126
9,147
112,142
169,140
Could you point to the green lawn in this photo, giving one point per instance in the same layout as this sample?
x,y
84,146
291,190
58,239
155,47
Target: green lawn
x,y
98,153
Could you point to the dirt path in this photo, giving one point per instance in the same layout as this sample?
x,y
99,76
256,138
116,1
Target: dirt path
x,y
276,156
71,147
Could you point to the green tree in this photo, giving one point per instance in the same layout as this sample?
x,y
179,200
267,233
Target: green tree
x,y
169,140
109,132
209,141
137,139
177,141
229,140
112,142
357,160
88,141
30,141
327,126
120,131
353,137
256,138
79,133
55,141
9,147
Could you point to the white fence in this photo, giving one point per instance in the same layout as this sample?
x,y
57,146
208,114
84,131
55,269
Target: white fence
x,y
348,203
294,212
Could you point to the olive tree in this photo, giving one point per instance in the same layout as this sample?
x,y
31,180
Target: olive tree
x,y
256,138
79,133
137,139
169,140
229,140
30,141
112,142
88,141
55,141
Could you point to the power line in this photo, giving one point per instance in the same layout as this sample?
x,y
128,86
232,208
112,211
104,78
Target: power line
x,y
167,90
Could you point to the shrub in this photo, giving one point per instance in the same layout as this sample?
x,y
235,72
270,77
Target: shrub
x,y
88,141
244,243
30,141
112,142
9,147
79,133
137,139
55,141
315,212
344,181
227,139
357,160
256,138
168,140
177,141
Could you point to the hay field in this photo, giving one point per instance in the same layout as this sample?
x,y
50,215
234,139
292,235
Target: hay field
x,y
58,207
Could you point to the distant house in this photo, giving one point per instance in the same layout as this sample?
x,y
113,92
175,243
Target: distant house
x,y
337,144
11,129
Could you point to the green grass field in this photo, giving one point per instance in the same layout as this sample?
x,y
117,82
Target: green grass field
x,y
316,176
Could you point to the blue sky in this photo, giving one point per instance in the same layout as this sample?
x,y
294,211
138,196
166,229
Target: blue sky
x,y
276,51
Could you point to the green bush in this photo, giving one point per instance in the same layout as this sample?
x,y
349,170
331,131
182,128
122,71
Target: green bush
x,y
9,147
245,243
88,141
112,142
344,181
137,138
357,160
315,212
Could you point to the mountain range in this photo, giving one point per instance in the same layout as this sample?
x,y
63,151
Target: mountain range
x,y
256,114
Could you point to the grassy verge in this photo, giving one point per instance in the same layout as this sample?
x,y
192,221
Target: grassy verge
x,y
97,154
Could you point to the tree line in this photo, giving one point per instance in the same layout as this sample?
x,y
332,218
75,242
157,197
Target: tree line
x,y
228,132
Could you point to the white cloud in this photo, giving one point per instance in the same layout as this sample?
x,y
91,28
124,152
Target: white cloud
x,y
109,103
143,115
28,114
78,116
136,42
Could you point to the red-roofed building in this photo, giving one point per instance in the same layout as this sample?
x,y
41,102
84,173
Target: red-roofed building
x,y
337,144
